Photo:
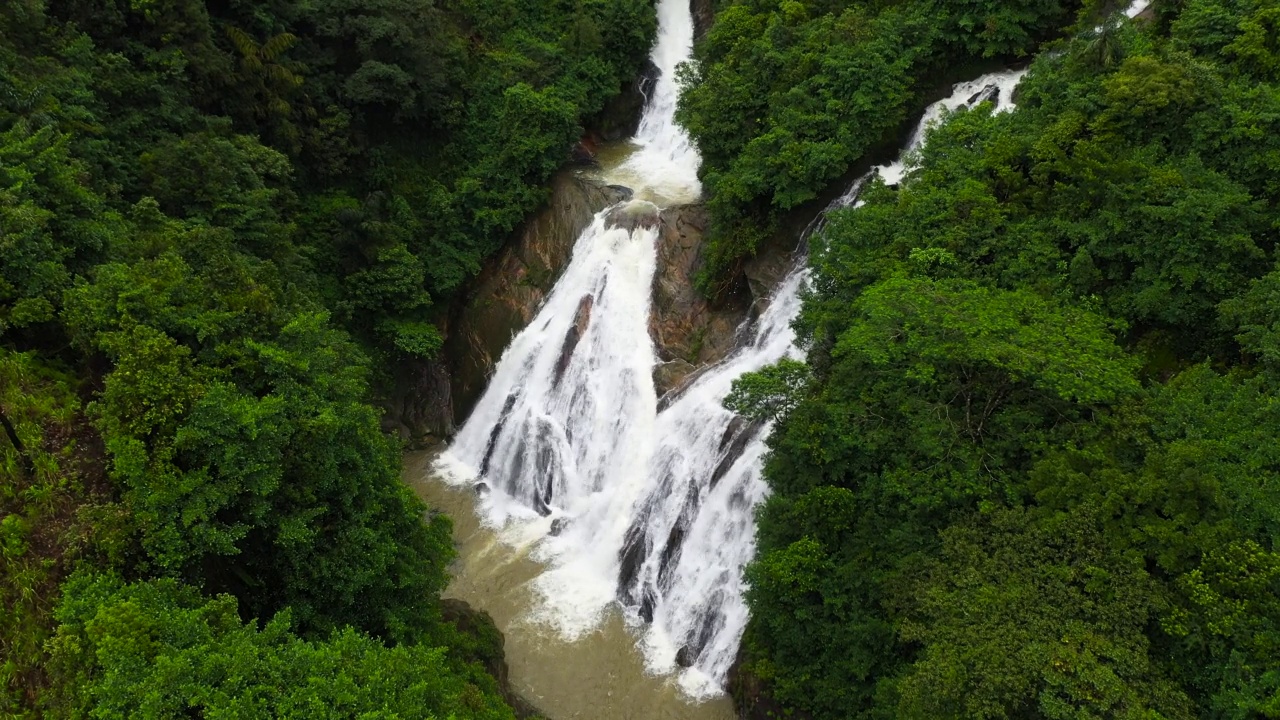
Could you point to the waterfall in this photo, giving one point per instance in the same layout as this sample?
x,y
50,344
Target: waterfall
x,y
693,532
562,438
630,502
996,87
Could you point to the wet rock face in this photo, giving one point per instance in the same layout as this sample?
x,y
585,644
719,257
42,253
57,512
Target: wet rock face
x,y
687,331
419,410
764,271
990,93
513,284
634,215
574,334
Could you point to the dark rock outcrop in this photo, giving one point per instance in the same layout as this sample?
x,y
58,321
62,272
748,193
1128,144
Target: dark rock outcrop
x,y
487,649
990,93
703,16
583,154
736,438
573,335
419,408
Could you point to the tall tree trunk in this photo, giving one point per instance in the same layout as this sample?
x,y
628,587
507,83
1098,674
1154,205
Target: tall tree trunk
x,y
27,466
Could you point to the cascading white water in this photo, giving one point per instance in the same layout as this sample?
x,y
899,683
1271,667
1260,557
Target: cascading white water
x,y
625,502
664,170
694,531
565,426
995,87
564,432
1135,9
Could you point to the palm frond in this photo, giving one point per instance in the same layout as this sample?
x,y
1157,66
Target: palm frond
x,y
278,45
244,42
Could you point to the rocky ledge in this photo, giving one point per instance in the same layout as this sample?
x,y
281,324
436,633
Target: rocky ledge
x,y
689,332
486,647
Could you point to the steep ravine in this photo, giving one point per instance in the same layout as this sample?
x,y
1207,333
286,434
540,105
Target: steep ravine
x,y
604,496
430,399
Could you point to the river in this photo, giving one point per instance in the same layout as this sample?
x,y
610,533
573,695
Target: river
x,y
599,675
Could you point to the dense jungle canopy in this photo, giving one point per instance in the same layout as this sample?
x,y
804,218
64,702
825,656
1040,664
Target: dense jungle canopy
x,y
1029,468
220,223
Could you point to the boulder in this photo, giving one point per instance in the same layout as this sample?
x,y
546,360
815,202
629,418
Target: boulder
x,y
632,216
583,154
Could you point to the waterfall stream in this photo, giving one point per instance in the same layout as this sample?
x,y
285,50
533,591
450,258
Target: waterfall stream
x,y
625,500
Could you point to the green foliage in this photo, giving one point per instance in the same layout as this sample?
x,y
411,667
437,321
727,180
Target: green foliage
x,y
783,98
159,649
769,393
50,225
1028,469
254,464
1022,616
216,219
53,511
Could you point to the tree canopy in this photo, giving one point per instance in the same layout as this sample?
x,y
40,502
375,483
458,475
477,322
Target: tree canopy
x,y
1028,468
219,224
784,97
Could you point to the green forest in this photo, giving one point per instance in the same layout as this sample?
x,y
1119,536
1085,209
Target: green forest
x,y
220,223
783,98
1030,468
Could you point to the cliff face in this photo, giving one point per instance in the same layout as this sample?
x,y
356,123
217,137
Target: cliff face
x,y
511,288
703,15
430,398
687,330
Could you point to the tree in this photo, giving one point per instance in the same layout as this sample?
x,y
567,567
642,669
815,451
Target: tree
x,y
160,649
1029,616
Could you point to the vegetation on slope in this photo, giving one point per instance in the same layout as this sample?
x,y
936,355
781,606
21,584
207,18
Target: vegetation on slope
x,y
784,97
216,221
1029,469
